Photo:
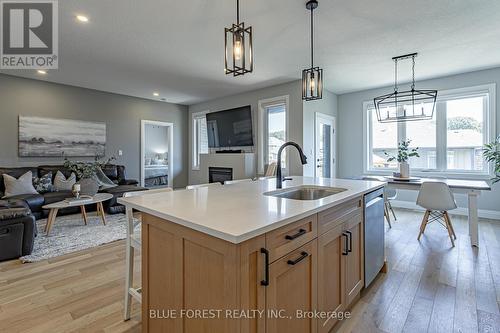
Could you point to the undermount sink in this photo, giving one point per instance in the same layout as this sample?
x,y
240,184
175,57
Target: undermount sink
x,y
306,192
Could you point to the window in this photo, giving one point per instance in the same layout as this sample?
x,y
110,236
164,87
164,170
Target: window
x,y
384,138
200,140
273,122
276,133
464,133
450,143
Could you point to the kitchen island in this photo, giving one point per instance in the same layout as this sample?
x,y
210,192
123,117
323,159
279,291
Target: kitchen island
x,y
245,258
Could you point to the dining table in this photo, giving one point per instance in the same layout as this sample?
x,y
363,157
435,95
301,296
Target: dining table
x,y
472,188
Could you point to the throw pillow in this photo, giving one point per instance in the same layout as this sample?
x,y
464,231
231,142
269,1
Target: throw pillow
x,y
63,184
22,185
44,183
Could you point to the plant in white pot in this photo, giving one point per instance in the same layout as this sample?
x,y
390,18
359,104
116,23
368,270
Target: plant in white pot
x,y
86,173
404,154
491,153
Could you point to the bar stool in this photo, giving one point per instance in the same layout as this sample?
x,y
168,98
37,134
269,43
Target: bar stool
x,y
271,170
192,187
437,199
133,242
229,182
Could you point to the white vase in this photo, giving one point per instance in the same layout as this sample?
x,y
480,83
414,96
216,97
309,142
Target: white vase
x,y
404,170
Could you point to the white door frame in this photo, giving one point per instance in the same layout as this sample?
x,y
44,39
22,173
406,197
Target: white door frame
x,y
333,144
170,148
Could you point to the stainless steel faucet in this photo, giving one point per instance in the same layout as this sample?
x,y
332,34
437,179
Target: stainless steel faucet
x,y
303,160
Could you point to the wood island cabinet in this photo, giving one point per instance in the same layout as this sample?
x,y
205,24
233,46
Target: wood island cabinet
x,y
292,288
193,282
331,274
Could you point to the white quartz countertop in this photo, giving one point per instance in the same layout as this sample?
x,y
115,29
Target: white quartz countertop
x,y
241,211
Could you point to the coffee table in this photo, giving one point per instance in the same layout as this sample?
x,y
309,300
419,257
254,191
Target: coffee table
x,y
98,199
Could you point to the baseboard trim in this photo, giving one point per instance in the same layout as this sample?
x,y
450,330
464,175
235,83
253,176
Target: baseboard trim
x,y
483,213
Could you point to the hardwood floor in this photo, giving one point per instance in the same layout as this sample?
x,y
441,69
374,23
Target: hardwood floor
x,y
430,286
80,292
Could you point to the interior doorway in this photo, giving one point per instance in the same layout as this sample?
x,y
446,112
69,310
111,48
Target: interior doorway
x,y
324,152
157,153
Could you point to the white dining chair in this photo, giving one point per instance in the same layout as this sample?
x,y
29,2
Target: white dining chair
x,y
437,199
388,194
229,182
133,242
192,187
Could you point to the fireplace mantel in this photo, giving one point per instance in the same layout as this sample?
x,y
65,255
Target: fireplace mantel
x,y
243,165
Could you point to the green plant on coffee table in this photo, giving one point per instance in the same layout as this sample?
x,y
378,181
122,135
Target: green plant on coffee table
x,y
491,153
85,169
404,152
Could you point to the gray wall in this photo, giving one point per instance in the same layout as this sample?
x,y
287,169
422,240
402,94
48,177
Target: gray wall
x,y
292,89
122,114
326,105
350,128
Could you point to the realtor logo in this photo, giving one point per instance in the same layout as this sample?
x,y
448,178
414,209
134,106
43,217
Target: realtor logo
x,y
29,32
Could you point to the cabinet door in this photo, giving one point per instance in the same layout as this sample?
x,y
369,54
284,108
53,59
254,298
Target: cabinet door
x,y
332,254
292,288
186,270
354,260
252,284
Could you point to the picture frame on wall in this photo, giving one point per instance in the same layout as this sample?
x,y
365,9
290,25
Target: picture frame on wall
x,y
52,137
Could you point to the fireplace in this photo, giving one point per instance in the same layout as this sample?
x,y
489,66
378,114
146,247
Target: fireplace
x,y
220,175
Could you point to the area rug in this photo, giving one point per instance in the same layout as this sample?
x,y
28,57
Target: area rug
x,y
69,234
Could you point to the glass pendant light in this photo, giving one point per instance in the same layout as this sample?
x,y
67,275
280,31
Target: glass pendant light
x,y
238,57
312,78
408,105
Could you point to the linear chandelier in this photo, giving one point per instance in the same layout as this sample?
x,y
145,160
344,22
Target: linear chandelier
x,y
238,56
408,105
312,78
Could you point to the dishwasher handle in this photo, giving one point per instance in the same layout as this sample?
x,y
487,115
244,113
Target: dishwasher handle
x,y
374,201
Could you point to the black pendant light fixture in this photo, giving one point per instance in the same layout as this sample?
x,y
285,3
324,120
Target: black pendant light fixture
x,y
408,105
238,57
312,78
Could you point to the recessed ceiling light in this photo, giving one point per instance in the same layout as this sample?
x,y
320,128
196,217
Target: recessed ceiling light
x,y
156,94
82,18
41,71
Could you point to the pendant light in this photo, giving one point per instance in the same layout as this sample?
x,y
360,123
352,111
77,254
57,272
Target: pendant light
x,y
312,78
238,58
408,105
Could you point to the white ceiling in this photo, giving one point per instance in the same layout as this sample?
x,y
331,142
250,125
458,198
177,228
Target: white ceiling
x,y
136,47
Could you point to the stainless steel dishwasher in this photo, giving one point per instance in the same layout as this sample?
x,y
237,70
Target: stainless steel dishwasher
x,y
374,231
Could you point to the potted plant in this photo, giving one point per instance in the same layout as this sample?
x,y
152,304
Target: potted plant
x,y
404,154
491,153
86,173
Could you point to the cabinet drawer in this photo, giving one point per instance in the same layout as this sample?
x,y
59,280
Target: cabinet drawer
x,y
335,216
282,241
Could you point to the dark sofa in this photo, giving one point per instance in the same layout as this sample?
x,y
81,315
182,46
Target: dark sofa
x,y
17,229
115,173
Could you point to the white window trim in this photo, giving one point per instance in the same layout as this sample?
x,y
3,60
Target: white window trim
x,y
262,128
194,138
489,134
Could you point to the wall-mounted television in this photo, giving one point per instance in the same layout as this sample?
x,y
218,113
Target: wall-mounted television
x,y
230,128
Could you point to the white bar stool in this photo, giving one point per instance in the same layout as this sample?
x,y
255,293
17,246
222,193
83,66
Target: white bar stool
x,y
133,242
192,187
229,182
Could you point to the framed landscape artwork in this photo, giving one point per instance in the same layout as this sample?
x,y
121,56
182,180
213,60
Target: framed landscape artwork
x,y
48,137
